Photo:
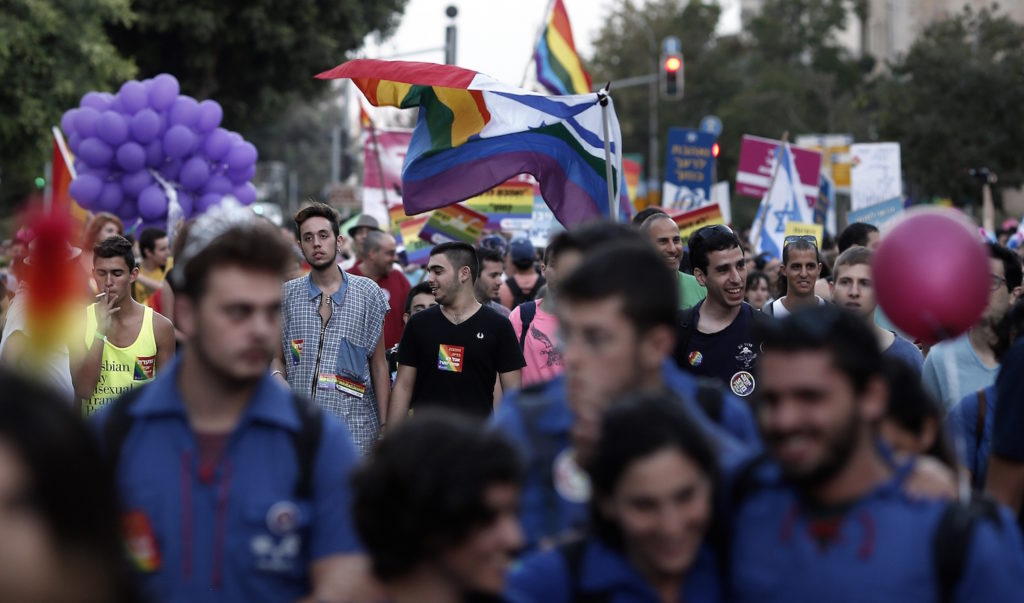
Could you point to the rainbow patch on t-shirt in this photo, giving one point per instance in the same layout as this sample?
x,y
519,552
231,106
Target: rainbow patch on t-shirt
x,y
449,358
296,349
144,368
696,358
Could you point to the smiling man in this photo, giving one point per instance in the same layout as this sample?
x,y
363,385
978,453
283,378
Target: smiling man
x,y
801,268
451,354
664,233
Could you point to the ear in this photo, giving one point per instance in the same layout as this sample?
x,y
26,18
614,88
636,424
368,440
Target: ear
x,y
832,290
405,318
701,277
133,275
184,315
1015,294
875,400
656,345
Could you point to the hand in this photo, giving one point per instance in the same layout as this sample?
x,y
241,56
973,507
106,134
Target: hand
x,y
105,308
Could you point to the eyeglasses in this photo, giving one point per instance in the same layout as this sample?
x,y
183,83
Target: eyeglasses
x,y
997,282
794,238
701,233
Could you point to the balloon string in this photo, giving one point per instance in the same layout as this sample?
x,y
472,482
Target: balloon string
x,y
174,213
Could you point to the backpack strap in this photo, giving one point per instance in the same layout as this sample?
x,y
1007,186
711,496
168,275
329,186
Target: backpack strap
x,y
527,312
513,287
979,426
544,448
307,444
572,552
711,400
952,538
684,329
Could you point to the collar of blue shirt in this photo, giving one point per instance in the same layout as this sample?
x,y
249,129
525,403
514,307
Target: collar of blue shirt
x,y
314,291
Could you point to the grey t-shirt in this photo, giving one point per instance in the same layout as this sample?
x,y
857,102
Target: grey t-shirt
x,y
952,370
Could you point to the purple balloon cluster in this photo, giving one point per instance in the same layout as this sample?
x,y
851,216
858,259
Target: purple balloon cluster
x,y
120,140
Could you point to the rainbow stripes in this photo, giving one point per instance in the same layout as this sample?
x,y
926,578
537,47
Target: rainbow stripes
x,y
474,133
558,64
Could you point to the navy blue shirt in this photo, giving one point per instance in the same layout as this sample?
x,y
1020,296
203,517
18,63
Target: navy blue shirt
x,y
1007,440
545,578
237,533
962,423
729,355
878,549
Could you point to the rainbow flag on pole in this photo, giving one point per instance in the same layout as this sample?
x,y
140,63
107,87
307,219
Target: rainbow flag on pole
x,y
558,64
474,133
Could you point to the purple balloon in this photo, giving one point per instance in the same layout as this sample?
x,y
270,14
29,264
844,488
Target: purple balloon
x,y
95,101
134,183
67,122
133,96
210,115
184,111
217,144
194,173
100,172
187,203
85,190
241,156
218,184
178,141
246,193
238,177
128,211
95,152
163,92
155,154
110,197
85,121
207,201
112,128
235,137
170,169
152,203
145,126
131,156
73,141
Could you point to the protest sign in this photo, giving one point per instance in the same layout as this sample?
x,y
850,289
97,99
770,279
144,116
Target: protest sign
x,y
688,169
382,188
801,228
454,223
691,221
720,197
835,159
879,214
417,250
508,206
876,175
755,169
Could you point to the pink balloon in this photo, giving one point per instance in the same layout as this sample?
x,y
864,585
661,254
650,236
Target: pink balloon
x,y
931,275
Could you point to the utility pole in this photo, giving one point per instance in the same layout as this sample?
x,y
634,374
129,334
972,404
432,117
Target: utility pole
x,y
450,34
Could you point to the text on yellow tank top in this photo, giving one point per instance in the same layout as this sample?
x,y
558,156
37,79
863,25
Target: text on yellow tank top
x,y
121,369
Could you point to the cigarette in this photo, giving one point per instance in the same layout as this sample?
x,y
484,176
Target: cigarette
x,y
99,295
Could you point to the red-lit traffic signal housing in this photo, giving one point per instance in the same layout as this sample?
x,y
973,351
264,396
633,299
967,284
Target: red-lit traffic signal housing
x,y
671,76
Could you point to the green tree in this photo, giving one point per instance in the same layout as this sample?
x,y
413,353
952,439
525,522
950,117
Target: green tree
x,y
956,101
51,53
254,57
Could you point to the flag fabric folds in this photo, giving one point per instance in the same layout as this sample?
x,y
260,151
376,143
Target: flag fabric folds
x,y
558,64
473,133
783,202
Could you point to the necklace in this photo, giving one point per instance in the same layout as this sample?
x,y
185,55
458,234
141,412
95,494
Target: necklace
x,y
455,318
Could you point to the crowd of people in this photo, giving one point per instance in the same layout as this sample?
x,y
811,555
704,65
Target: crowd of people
x,y
246,412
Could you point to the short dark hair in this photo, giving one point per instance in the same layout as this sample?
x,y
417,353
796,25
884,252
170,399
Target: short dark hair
x,y
148,238
115,247
911,405
421,491
855,234
252,246
709,239
599,234
1012,269
854,256
417,289
317,209
559,244
632,271
800,245
486,254
645,213
459,254
752,277
850,341
635,427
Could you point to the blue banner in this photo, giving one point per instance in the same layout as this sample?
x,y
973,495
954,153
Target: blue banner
x,y
689,169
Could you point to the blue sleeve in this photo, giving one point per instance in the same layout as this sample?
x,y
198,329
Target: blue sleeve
x,y
333,529
738,419
540,578
994,569
508,421
1009,411
961,430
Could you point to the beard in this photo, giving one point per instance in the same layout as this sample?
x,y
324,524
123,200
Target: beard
x,y
329,260
839,448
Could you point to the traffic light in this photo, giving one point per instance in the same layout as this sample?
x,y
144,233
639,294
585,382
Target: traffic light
x,y
672,76
715,149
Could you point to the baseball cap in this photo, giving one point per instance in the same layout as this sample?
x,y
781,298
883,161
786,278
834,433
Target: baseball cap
x,y
495,242
521,250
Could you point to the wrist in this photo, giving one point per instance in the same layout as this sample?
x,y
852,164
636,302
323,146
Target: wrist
x,y
100,336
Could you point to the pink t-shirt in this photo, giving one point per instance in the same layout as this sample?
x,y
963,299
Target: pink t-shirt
x,y
543,356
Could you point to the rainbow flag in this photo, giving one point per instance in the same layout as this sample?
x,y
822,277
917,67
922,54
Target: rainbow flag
x,y
558,64
473,133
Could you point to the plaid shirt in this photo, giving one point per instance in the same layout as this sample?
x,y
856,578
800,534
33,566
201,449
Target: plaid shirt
x,y
335,370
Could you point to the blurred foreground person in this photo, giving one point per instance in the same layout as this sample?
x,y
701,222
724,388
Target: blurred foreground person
x,y
435,505
58,510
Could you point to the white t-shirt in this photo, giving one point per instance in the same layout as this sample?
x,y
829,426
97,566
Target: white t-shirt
x,y
56,369
779,311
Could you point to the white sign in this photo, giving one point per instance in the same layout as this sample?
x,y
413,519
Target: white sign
x,y
720,195
876,175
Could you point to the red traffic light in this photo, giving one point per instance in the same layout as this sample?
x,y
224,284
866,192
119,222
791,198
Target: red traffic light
x,y
715,150
673,63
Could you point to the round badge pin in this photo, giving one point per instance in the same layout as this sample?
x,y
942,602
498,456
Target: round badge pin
x,y
282,517
742,384
571,482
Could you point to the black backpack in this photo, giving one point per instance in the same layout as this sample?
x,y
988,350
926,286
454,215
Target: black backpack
x,y
306,440
519,296
527,312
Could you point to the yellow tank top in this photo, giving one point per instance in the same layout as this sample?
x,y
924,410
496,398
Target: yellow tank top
x,y
122,369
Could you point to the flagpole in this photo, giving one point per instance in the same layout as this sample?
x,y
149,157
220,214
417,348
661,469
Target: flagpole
x,y
536,40
763,209
602,97
380,168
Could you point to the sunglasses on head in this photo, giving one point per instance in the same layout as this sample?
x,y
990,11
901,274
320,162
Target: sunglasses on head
x,y
794,238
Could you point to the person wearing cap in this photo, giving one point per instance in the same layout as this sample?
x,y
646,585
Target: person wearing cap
x,y
525,280
232,488
357,234
126,343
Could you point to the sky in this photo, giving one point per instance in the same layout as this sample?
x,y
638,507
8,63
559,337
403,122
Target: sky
x,y
496,37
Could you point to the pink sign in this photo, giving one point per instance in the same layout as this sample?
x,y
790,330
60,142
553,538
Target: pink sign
x,y
755,170
393,147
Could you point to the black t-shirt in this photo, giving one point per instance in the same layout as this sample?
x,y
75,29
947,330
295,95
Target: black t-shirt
x,y
729,355
1007,442
456,365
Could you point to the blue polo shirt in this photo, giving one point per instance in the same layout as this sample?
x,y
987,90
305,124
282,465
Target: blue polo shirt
x,y
556,492
546,578
238,533
877,549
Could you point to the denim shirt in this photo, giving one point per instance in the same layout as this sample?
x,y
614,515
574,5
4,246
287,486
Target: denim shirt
x,y
330,363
